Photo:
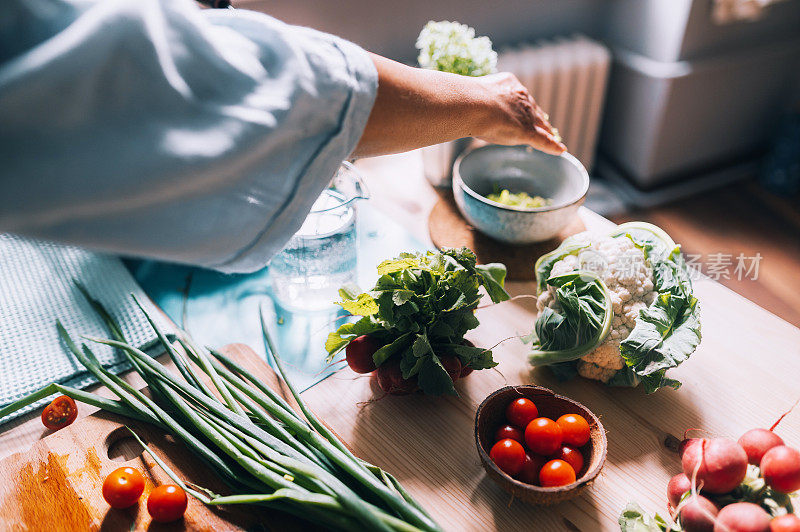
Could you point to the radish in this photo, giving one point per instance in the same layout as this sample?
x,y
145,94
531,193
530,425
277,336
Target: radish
x,y
391,381
685,443
465,370
721,464
678,485
359,354
756,442
785,523
780,468
742,517
697,514
452,366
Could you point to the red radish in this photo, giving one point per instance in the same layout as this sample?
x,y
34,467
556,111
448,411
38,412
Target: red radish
x,y
685,443
785,523
697,514
721,464
756,442
391,381
780,468
452,366
678,485
572,456
359,354
530,468
465,370
742,517
509,431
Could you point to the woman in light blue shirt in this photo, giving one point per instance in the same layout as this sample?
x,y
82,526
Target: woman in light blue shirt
x,y
156,129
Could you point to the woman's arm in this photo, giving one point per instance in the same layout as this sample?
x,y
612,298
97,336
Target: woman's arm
x,y
416,107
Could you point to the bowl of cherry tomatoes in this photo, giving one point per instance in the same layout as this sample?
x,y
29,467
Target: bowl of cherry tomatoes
x,y
540,447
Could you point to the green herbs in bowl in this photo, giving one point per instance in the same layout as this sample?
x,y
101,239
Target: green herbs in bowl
x,y
519,200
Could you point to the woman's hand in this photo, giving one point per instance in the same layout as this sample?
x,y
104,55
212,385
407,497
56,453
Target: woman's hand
x,y
517,119
416,108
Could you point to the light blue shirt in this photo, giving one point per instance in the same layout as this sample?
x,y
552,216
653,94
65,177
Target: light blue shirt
x,y
156,129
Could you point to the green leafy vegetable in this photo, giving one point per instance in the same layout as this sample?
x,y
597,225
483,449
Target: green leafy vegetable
x,y
584,322
420,309
635,519
665,335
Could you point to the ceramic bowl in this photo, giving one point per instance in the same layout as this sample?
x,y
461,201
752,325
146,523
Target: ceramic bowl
x,y
481,171
491,415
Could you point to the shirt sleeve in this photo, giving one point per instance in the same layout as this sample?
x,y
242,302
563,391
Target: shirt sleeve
x,y
157,129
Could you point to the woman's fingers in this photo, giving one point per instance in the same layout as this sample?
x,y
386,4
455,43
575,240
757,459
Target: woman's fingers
x,y
546,141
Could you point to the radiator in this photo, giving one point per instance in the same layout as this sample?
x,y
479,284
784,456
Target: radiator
x,y
567,77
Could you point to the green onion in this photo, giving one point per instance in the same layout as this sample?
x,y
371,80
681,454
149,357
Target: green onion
x,y
268,454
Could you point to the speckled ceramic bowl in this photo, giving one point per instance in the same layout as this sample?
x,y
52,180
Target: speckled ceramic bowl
x,y
479,172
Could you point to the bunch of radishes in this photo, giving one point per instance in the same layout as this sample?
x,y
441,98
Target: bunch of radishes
x,y
730,486
359,356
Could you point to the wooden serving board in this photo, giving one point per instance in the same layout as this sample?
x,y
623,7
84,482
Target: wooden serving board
x,y
57,485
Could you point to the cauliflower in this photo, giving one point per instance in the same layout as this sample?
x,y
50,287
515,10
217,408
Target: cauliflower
x,y
623,268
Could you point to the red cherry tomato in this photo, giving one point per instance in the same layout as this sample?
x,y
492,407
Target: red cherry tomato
x,y
509,456
543,436
166,503
575,429
61,412
556,473
509,431
123,487
521,412
530,468
572,456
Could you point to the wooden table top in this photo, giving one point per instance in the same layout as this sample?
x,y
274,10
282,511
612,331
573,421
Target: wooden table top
x,y
743,375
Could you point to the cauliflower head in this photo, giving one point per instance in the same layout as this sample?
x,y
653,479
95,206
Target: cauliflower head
x,y
624,269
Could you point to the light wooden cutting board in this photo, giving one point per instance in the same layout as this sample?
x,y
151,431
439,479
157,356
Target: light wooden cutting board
x,y
56,486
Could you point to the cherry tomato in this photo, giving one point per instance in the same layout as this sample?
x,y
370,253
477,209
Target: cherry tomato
x,y
61,412
530,468
509,431
521,412
543,436
572,456
575,429
556,473
509,455
166,503
123,487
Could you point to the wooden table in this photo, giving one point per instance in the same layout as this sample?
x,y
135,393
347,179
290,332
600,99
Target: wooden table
x,y
744,375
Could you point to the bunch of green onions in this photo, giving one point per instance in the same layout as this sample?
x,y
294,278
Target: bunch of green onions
x,y
266,452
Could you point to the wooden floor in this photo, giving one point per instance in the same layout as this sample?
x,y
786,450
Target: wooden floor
x,y
740,219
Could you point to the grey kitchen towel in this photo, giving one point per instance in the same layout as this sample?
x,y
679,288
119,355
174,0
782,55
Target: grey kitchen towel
x,y
37,286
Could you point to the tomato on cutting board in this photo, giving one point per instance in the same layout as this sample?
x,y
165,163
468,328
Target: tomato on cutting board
x,y
123,487
61,412
167,503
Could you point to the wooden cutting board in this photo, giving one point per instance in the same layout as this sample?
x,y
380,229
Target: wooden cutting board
x,y
57,484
